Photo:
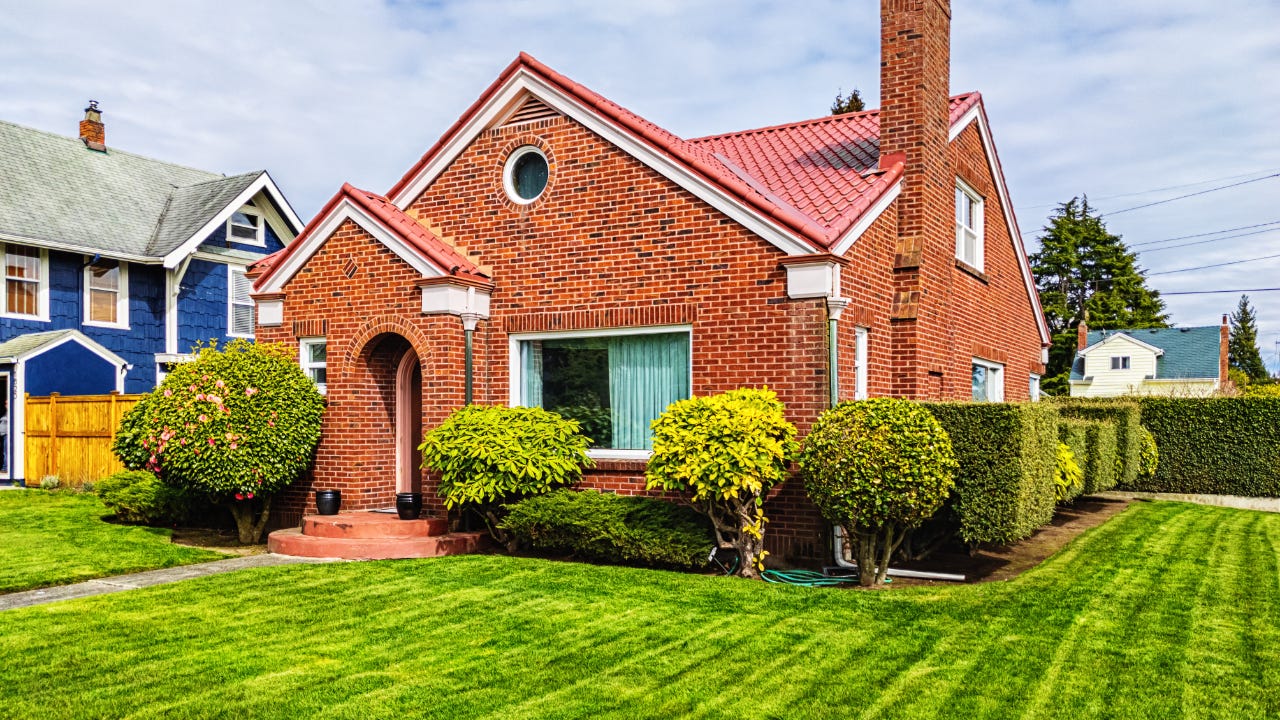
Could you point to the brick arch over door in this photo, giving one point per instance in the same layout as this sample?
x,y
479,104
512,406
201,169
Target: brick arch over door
x,y
362,342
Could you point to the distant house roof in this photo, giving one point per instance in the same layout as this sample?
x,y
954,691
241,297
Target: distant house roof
x,y
1189,353
58,193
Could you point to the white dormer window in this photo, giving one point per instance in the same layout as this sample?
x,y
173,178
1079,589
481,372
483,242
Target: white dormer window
x,y
106,289
1120,362
968,225
245,227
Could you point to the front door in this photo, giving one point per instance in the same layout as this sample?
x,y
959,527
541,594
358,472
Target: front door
x,y
409,424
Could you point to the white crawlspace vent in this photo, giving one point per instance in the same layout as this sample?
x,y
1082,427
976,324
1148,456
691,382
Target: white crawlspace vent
x,y
532,110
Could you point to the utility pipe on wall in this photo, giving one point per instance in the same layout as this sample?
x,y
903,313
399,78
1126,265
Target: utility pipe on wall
x,y
835,306
469,322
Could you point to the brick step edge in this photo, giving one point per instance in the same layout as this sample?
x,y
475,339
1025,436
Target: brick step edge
x,y
372,526
293,542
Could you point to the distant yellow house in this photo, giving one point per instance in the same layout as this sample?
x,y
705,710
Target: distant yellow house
x,y
1182,362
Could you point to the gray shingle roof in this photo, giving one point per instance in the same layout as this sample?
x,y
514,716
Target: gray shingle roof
x,y
56,190
1190,352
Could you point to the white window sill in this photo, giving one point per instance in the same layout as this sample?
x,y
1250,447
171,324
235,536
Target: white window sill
x,y
16,316
603,454
239,335
104,325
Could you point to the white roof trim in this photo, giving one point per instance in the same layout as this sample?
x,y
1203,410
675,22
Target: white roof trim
x,y
975,114
78,249
1118,335
868,218
263,182
525,82
75,336
321,232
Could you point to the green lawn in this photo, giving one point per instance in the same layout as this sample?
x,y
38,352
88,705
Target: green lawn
x,y
1167,611
55,538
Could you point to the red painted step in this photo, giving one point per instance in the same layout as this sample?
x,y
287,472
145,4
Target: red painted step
x,y
293,542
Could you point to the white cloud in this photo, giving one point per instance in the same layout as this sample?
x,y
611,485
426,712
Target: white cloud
x,y
1084,96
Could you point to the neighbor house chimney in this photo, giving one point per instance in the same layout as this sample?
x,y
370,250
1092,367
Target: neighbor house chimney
x,y
1082,336
1224,338
92,131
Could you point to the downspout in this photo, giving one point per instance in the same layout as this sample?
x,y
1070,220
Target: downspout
x,y
469,322
836,306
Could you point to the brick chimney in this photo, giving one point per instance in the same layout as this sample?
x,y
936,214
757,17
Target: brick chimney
x,y
1224,337
915,85
92,132
1082,336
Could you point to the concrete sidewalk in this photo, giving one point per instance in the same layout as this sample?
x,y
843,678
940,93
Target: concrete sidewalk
x,y
119,583
1229,501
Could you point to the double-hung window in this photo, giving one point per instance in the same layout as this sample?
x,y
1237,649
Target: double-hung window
x,y
240,305
106,287
1120,362
614,383
988,381
245,226
968,226
26,282
314,361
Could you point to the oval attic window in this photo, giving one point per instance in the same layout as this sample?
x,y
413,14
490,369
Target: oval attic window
x,y
526,174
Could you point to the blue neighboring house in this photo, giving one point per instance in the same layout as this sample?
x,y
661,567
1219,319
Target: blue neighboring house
x,y
115,265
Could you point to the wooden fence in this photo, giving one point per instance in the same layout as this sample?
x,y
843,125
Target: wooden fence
x,y
70,436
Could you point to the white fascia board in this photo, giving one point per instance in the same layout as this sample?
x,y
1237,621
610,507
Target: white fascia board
x,y
523,82
320,235
868,218
261,184
975,115
1114,338
78,249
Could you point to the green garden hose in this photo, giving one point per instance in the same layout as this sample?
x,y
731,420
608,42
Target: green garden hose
x,y
808,578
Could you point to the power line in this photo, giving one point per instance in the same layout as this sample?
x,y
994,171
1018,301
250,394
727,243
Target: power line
x,y
1204,267
1214,292
1189,195
1202,242
1161,189
1205,234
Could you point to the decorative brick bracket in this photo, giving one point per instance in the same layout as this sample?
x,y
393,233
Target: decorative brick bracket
x,y
813,276
453,295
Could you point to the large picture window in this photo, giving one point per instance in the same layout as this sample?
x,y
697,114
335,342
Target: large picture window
x,y
614,385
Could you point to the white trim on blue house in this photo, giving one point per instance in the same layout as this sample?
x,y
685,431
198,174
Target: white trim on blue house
x,y
264,182
42,287
122,298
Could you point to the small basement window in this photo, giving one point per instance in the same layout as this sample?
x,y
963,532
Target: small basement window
x,y
1120,362
525,175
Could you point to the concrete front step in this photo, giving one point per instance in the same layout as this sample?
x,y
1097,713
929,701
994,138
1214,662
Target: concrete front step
x,y
371,526
294,542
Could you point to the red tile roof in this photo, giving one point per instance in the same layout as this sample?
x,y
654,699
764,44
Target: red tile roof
x,y
413,233
815,178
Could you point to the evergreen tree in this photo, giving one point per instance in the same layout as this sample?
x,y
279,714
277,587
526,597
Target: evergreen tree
x,y
1242,348
1084,271
846,104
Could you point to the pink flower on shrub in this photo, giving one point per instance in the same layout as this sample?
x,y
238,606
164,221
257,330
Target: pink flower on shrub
x,y
191,388
220,384
249,496
212,441
271,423
168,392
204,377
234,446
184,441
213,399
200,396
250,392
239,496
203,418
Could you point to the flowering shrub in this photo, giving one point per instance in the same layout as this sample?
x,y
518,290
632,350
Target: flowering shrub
x,y
238,424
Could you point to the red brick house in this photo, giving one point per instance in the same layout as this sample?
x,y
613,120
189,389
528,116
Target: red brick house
x,y
554,248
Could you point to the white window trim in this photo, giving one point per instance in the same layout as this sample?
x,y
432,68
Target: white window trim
x,y
42,287
998,369
231,302
1126,362
260,239
861,335
979,212
1033,381
508,173
515,379
306,363
122,298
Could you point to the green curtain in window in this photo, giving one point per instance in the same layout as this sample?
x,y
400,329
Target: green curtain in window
x,y
646,374
531,371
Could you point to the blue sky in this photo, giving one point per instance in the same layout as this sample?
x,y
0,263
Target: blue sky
x,y
1085,96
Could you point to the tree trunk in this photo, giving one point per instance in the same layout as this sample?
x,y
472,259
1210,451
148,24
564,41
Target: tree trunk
x,y
250,522
866,552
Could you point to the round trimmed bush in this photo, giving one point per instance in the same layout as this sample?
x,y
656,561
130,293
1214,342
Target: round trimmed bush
x,y
878,468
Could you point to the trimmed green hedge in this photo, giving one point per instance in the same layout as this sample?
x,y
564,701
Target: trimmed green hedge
x,y
1008,456
605,527
1126,416
1102,461
1224,446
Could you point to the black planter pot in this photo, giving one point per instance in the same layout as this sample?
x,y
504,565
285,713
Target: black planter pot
x,y
328,501
409,505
